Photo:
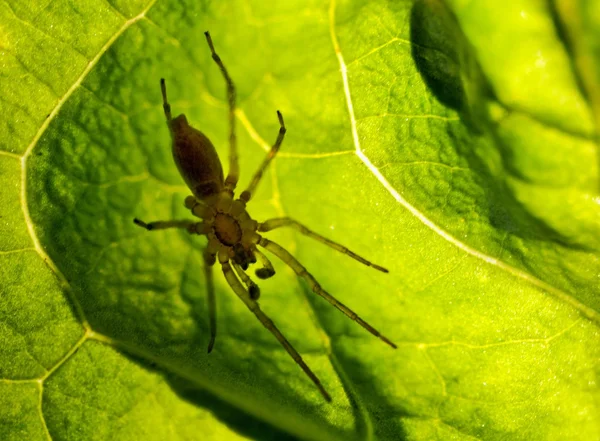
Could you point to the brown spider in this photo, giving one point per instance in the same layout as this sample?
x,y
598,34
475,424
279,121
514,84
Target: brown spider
x,y
232,234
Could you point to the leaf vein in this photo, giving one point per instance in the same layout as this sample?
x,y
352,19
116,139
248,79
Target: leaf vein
x,y
30,226
21,250
84,74
41,410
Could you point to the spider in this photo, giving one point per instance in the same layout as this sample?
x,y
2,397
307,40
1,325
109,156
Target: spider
x,y
233,236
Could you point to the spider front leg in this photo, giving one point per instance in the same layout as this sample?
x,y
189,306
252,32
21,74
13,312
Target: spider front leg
x,y
247,194
253,306
191,226
253,288
209,260
300,271
234,168
267,270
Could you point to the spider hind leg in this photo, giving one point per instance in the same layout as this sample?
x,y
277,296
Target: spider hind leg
x,y
300,271
253,306
209,261
279,222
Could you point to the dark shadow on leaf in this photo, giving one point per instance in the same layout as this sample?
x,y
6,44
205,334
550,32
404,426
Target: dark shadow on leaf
x,y
386,417
448,65
563,34
234,418
376,417
504,211
446,61
567,29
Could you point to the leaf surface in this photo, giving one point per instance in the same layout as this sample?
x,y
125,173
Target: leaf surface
x,y
454,143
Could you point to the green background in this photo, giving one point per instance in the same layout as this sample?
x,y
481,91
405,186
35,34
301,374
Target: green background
x,y
455,143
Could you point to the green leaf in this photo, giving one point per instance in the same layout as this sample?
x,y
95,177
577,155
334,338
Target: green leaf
x,y
455,143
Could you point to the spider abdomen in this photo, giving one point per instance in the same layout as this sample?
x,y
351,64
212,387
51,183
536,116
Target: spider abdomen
x,y
196,159
227,229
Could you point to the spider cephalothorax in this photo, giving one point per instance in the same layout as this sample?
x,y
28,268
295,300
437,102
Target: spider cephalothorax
x,y
233,236
228,226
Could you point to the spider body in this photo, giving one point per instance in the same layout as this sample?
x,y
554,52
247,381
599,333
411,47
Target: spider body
x,y
233,236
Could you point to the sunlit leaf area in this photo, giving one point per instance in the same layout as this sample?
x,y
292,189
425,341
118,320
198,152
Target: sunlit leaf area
x,y
455,143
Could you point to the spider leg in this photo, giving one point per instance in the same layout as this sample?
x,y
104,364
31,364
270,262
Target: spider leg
x,y
293,263
247,194
237,287
166,105
253,288
267,270
234,168
271,224
209,261
191,226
